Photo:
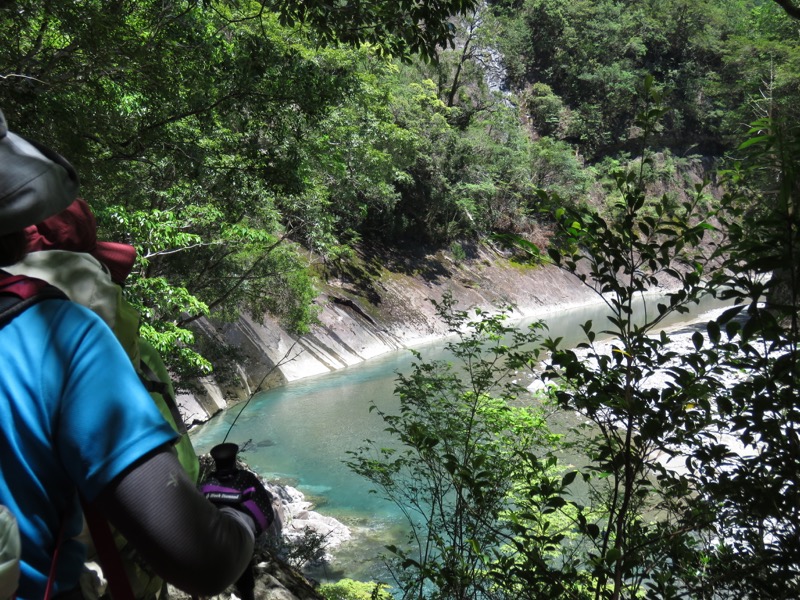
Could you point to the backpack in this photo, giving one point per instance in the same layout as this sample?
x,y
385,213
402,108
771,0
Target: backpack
x,y
10,550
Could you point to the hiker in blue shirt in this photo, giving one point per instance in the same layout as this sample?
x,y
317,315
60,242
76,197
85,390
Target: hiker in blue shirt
x,y
76,423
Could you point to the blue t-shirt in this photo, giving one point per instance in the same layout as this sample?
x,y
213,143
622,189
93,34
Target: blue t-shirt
x,y
74,415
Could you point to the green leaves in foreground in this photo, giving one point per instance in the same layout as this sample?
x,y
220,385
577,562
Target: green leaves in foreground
x,y
472,469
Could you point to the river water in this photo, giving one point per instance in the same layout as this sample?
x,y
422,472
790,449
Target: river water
x,y
299,435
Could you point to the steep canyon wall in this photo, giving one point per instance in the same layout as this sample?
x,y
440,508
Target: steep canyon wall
x,y
382,305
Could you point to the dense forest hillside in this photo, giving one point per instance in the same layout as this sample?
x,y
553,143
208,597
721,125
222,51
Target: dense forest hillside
x,y
254,152
228,143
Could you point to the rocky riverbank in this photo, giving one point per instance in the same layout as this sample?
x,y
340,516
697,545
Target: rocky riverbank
x,y
298,536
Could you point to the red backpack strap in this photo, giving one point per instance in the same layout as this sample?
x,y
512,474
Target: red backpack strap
x,y
107,552
51,577
18,292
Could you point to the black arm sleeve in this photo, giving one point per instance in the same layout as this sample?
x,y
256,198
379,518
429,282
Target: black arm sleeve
x,y
186,539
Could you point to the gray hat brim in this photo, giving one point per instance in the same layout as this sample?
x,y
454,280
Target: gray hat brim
x,y
35,183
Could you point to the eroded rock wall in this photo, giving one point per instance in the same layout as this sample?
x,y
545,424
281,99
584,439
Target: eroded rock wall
x,y
383,306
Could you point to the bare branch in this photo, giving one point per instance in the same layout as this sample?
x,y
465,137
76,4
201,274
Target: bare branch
x,y
10,75
182,249
274,367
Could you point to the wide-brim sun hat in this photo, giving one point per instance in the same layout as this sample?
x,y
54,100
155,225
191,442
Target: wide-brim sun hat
x,y
35,182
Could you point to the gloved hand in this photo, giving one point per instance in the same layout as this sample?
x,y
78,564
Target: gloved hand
x,y
241,490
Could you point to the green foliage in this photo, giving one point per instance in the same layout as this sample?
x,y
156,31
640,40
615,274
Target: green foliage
x,y
190,121
424,151
399,28
640,528
423,206
467,178
790,8
454,469
230,141
348,589
649,518
458,252
557,170
545,110
216,140
753,484
586,53
760,70
356,158
577,65
721,520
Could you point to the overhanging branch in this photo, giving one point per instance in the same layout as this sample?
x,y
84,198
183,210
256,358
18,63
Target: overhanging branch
x,y
791,9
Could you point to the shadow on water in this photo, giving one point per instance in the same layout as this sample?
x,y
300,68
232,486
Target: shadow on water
x,y
299,435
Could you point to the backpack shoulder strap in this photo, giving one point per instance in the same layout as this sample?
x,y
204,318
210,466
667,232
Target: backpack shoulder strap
x,y
153,384
18,292
110,559
12,305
